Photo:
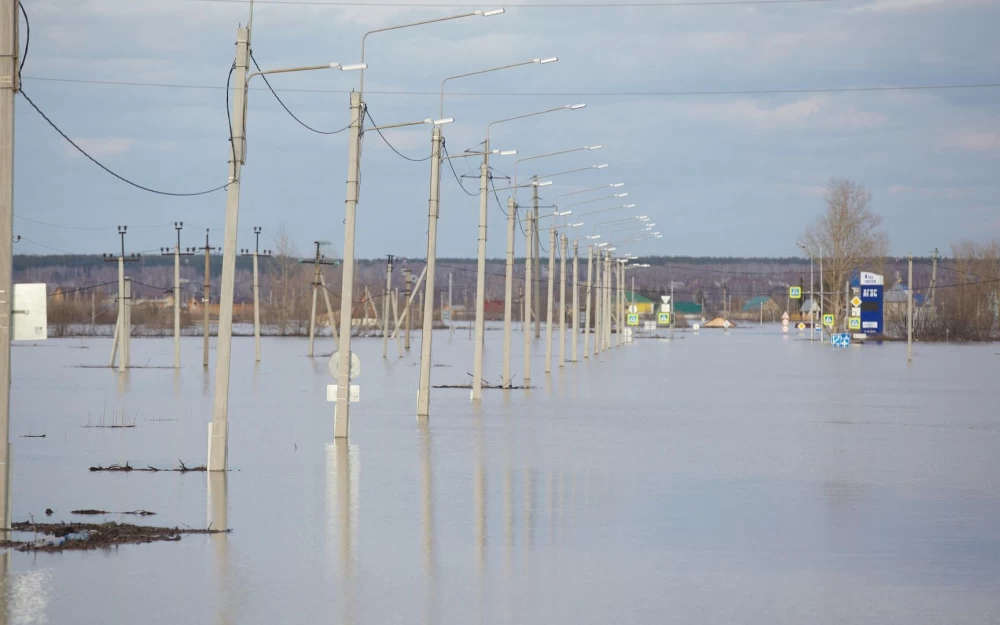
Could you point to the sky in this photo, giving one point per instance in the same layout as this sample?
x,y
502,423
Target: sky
x,y
723,121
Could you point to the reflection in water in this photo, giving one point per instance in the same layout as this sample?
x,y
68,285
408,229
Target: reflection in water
x,y
218,518
479,495
204,383
427,518
4,583
30,593
343,468
177,383
123,384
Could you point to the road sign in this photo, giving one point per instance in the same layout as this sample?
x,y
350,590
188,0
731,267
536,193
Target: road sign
x,y
446,317
855,301
650,326
665,298
334,365
859,336
353,395
663,318
633,308
854,323
726,324
665,308
801,326
828,321
840,340
855,311
696,327
795,292
633,319
872,292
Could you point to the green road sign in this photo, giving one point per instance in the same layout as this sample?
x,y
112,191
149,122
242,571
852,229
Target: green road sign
x,y
795,292
663,318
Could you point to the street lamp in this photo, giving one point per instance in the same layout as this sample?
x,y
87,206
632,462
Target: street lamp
x,y
218,446
341,420
477,366
812,292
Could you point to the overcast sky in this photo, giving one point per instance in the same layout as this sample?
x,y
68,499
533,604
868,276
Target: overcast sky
x,y
720,174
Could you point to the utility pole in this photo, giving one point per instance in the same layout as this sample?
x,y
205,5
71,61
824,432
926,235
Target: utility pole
x,y
477,365
9,85
256,291
528,288
909,312
598,297
576,299
427,332
537,259
120,344
385,306
206,289
930,297
317,283
407,290
341,416
586,306
451,309
508,292
218,445
673,307
562,299
548,316
177,253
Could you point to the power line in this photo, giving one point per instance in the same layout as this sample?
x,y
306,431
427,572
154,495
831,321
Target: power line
x,y
48,247
454,173
64,227
415,160
102,166
592,94
82,288
287,110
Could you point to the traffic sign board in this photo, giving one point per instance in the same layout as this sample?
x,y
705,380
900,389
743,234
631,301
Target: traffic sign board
x,y
855,301
334,365
854,323
840,340
828,321
633,319
795,292
663,318
801,326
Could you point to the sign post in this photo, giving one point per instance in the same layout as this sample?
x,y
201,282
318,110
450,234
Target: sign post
x,y
870,306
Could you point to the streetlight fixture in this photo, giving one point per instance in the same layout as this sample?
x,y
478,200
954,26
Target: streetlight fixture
x,y
218,445
477,367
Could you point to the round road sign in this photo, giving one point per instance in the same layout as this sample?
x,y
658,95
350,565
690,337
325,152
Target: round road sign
x,y
334,365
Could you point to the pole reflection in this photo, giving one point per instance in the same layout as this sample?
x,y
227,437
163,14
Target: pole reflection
x,y
343,471
218,518
427,521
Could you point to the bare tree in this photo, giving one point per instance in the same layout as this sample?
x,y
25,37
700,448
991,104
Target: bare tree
x,y
850,236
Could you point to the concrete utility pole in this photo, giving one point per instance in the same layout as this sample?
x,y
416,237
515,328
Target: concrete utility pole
x,y
451,309
598,302
177,253
218,446
564,242
385,306
341,417
9,85
206,297
909,312
407,291
508,291
673,308
256,292
930,296
548,316
120,343
537,260
427,332
530,284
576,300
317,284
586,306
477,365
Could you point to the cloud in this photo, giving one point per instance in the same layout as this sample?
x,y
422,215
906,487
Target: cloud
x,y
905,5
821,112
975,141
808,190
101,147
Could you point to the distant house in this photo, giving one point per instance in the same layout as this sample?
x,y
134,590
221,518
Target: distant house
x,y
896,299
688,309
809,306
719,322
762,303
644,305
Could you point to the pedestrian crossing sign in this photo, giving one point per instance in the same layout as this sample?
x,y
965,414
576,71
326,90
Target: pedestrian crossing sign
x,y
854,323
663,318
633,319
795,292
828,321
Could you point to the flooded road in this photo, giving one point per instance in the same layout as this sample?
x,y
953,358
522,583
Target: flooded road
x,y
740,477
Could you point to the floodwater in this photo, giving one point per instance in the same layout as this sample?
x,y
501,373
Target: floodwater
x,y
722,477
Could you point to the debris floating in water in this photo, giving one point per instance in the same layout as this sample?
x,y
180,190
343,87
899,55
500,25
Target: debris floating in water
x,y
87,536
183,468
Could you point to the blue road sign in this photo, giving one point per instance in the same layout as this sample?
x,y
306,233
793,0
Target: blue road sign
x,y
872,292
841,340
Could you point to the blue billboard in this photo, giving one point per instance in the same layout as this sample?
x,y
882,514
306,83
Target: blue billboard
x,y
872,292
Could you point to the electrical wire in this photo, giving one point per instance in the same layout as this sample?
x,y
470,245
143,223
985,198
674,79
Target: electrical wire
x,y
457,179
150,286
287,110
105,168
48,247
415,160
82,288
27,40
232,144
592,94
45,223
